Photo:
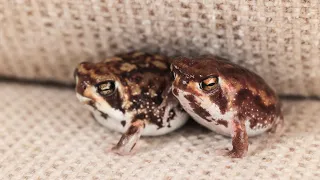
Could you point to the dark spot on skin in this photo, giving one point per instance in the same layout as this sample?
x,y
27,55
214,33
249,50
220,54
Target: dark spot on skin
x,y
140,116
115,101
87,65
133,146
136,103
220,100
157,99
203,113
222,122
123,123
136,78
172,114
101,71
104,115
91,103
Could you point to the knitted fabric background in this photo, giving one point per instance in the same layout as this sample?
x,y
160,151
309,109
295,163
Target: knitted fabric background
x,y
278,39
53,136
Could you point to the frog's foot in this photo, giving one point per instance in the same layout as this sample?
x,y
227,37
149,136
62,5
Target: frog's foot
x,y
129,139
232,153
122,151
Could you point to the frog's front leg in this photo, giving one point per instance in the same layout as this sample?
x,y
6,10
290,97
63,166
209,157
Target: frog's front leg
x,y
129,139
239,140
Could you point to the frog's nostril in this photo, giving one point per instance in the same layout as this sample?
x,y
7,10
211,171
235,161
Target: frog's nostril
x,y
81,85
84,84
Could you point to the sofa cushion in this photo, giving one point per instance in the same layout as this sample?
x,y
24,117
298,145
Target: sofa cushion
x,y
47,134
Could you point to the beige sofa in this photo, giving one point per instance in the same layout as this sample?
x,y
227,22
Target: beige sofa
x,y
46,134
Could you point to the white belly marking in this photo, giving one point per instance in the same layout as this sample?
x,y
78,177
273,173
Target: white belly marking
x,y
115,119
219,128
150,129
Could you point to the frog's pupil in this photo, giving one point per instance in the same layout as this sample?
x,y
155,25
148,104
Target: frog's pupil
x,y
106,92
208,84
211,84
106,88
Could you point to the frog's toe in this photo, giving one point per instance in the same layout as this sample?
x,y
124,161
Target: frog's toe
x,y
121,151
236,154
231,153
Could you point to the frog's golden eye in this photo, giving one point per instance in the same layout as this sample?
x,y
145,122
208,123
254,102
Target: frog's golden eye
x,y
106,88
209,83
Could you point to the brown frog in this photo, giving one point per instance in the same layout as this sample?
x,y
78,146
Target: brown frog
x,y
226,98
126,93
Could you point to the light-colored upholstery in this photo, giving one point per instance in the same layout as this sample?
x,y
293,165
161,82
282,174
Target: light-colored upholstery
x,y
278,39
46,134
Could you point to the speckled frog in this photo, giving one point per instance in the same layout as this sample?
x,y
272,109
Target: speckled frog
x,y
127,94
226,98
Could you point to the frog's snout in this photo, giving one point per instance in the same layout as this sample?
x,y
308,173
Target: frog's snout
x,y
82,77
83,99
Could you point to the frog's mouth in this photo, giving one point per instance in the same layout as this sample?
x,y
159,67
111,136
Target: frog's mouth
x,y
89,95
79,91
83,99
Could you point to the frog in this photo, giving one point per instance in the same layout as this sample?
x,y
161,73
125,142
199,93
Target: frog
x,y
131,94
226,98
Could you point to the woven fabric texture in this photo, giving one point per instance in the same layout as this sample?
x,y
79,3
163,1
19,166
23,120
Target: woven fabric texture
x,y
278,39
46,133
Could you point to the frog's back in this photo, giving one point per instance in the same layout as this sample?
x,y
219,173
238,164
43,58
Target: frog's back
x,y
138,62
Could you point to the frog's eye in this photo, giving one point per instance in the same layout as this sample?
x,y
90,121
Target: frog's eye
x,y
209,83
106,88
